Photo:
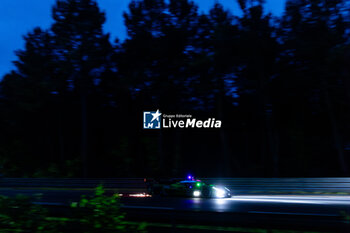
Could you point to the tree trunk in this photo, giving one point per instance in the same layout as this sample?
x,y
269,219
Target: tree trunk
x,y
269,142
275,153
176,153
84,143
61,137
335,131
225,149
160,153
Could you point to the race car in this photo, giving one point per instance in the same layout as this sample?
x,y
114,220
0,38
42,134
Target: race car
x,y
190,188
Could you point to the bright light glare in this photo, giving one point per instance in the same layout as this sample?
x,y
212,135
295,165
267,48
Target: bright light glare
x,y
220,201
296,199
139,195
219,192
196,193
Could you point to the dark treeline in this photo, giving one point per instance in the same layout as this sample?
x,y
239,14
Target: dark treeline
x,y
281,86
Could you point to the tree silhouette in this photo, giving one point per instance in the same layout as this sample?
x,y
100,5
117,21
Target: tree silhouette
x,y
83,53
311,32
280,85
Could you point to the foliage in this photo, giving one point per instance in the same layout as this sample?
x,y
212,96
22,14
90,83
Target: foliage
x,y
18,214
101,213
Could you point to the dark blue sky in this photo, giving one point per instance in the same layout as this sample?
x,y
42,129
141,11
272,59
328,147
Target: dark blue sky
x,y
18,17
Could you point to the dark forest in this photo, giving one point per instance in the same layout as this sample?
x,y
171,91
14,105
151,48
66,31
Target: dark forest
x,y
73,105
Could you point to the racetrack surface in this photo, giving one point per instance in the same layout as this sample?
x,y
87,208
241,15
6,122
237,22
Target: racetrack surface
x,y
283,204
306,204
302,212
321,211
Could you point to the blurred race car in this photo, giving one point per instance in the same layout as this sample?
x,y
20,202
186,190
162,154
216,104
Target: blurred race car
x,y
190,188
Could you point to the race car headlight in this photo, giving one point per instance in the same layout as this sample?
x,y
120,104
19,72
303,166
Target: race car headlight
x,y
219,192
196,193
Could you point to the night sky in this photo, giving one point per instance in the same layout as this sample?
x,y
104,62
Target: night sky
x,y
18,17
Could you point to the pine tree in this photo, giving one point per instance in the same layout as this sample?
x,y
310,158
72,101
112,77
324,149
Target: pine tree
x,y
258,50
83,52
26,94
311,32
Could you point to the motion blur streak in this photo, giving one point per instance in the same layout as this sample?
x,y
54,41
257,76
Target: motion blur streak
x,y
136,195
326,200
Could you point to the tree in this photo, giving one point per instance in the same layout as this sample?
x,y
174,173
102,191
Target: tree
x,y
312,30
26,94
257,55
83,53
58,70
154,57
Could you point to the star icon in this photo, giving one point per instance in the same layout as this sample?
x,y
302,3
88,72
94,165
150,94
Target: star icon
x,y
156,115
